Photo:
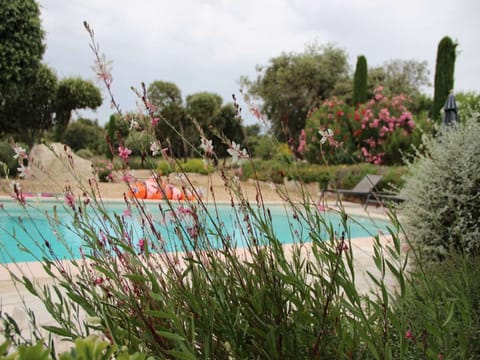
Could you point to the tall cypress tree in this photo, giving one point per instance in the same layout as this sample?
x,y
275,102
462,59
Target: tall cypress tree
x,y
360,81
444,74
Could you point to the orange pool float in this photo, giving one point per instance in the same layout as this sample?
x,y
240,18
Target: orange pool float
x,y
150,189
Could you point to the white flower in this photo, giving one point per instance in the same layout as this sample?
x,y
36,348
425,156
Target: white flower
x,y
20,152
23,171
134,125
236,153
206,145
155,148
326,135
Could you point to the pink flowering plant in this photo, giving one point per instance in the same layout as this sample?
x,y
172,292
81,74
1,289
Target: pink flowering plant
x,y
380,131
169,279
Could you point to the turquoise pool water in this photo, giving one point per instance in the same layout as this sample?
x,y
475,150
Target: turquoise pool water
x,y
55,234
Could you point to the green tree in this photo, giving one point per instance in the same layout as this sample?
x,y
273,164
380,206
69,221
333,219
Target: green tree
x,y
400,77
291,84
21,50
172,126
30,112
111,133
232,127
360,81
205,108
163,93
468,105
444,74
74,93
84,134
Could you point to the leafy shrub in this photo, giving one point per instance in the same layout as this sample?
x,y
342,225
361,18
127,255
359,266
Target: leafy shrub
x,y
264,170
164,167
468,105
6,157
84,134
196,166
454,284
442,211
268,148
139,142
309,173
339,176
85,153
377,132
104,170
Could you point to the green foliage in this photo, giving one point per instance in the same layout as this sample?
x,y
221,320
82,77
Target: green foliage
x,y
292,83
204,108
30,111
264,170
164,168
468,104
85,154
263,147
74,93
164,93
112,141
21,47
173,125
196,166
360,81
334,177
104,170
88,348
442,209
231,130
398,76
84,134
444,296
6,157
444,74
139,142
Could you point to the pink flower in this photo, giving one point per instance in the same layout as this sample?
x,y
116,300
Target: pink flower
x,y
155,121
127,212
302,144
128,177
70,200
98,281
185,211
124,153
321,208
142,244
409,335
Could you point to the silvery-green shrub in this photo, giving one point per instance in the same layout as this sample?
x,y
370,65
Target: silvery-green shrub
x,y
442,191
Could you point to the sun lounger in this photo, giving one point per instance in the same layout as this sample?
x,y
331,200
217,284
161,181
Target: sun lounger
x,y
363,190
384,198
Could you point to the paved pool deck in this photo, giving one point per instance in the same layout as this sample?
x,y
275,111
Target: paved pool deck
x,y
13,298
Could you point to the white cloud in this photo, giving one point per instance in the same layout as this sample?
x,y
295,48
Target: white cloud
x,y
207,45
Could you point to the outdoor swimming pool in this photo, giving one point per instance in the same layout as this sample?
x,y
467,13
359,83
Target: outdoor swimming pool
x,y
33,229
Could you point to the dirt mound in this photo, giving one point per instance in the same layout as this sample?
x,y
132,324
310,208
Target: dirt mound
x,y
57,162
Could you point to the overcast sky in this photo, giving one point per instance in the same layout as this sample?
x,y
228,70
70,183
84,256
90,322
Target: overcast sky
x,y
206,45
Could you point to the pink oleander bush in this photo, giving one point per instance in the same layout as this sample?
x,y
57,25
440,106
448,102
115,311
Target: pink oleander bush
x,y
380,131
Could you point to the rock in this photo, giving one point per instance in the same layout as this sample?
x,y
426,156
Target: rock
x,y
58,163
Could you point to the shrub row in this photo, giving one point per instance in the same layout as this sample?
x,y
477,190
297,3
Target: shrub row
x,y
333,176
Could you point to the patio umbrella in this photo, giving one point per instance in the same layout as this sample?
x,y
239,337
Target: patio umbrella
x,y
450,118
